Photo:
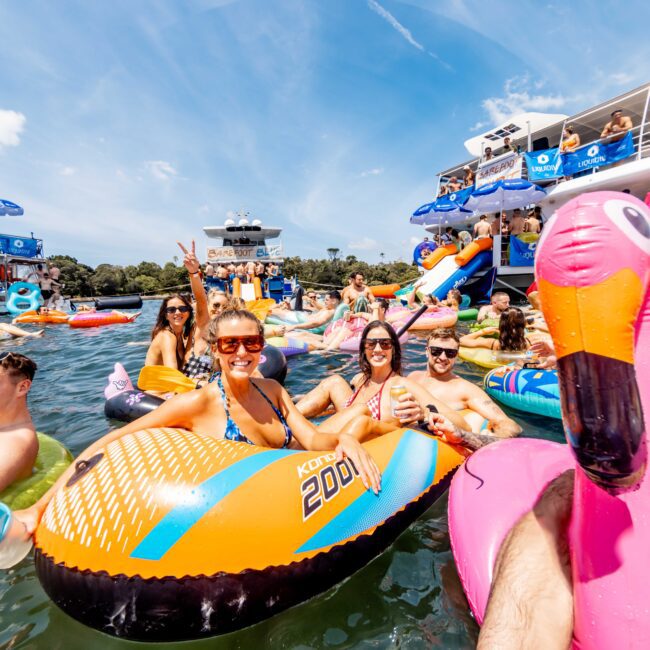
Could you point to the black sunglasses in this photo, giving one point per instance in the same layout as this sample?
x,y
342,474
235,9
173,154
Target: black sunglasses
x,y
184,309
435,351
384,344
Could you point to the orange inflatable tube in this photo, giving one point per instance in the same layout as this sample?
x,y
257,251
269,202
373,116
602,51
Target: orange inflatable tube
x,y
442,251
188,536
473,249
52,316
98,318
257,286
384,290
236,288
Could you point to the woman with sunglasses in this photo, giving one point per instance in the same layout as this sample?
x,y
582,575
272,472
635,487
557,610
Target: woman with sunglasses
x,y
380,362
178,340
235,406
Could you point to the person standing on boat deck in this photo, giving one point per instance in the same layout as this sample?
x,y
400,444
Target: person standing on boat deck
x,y
468,179
517,222
499,302
495,226
617,127
532,223
18,441
570,140
454,185
508,147
487,154
446,237
356,293
482,228
458,393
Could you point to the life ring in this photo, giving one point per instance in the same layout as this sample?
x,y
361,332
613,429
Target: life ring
x,y
532,390
51,461
422,251
288,525
17,304
604,381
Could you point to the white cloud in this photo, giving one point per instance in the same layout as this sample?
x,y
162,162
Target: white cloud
x,y
68,171
479,126
11,126
622,78
364,244
161,170
393,22
372,172
519,97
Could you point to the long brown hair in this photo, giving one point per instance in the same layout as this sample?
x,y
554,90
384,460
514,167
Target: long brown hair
x,y
396,359
162,322
512,330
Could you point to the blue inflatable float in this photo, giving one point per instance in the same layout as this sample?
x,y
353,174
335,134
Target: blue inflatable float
x,y
525,389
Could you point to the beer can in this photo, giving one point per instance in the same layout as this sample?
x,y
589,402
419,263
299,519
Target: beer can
x,y
395,393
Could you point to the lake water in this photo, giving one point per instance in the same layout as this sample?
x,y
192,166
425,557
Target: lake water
x,y
408,597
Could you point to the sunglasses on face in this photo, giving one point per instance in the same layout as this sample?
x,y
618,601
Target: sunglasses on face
x,y
384,344
230,344
217,305
183,309
435,351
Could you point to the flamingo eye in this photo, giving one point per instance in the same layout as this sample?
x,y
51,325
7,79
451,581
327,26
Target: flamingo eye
x,y
631,220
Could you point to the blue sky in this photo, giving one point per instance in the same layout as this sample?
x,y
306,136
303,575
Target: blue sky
x,y
125,126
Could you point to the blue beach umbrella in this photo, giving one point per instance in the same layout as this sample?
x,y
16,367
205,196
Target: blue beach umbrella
x,y
504,195
431,213
9,209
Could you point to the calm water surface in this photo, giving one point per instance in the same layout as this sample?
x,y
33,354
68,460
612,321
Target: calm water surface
x,y
409,597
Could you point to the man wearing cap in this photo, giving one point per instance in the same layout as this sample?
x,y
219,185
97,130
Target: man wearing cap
x,y
18,442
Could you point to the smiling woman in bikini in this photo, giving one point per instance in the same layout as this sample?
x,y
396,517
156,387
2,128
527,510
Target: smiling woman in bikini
x,y
380,362
235,406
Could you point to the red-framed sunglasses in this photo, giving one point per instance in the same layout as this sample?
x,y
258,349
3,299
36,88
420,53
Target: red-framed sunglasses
x,y
230,344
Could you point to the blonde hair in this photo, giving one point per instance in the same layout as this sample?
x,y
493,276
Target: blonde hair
x,y
231,312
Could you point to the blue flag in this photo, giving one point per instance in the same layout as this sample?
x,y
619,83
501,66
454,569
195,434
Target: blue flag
x,y
522,253
544,164
598,154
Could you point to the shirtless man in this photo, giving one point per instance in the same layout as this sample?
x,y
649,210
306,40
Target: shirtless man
x,y
482,228
454,185
517,222
499,302
18,442
487,420
356,289
617,127
332,301
495,226
532,223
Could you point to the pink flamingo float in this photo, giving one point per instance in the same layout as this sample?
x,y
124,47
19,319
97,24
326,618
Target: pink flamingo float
x,y
593,271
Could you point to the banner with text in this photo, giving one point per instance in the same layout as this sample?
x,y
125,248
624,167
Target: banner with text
x,y
244,253
544,164
522,253
19,247
504,167
597,154
458,198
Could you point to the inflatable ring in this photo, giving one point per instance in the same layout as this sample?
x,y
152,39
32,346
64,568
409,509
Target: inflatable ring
x,y
289,346
532,390
17,304
273,364
52,316
467,314
212,535
52,460
480,356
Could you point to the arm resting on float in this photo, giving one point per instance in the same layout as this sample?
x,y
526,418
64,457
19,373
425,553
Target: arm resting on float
x,y
500,424
478,340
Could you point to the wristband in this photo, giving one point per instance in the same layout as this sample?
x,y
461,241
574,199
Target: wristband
x,y
195,273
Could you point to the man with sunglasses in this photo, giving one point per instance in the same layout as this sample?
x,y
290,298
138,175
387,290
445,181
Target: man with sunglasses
x,y
487,421
18,442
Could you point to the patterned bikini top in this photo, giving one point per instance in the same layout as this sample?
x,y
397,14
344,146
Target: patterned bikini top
x,y
374,403
233,432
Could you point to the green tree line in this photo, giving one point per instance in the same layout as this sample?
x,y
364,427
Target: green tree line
x,y
82,280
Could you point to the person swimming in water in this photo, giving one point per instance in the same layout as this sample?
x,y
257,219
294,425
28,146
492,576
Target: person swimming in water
x,y
178,340
18,441
233,406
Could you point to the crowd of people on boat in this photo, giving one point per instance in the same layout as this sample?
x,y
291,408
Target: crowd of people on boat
x,y
221,276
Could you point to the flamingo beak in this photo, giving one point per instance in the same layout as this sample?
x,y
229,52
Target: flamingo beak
x,y
593,330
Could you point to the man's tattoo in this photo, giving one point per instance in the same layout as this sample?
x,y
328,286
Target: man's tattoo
x,y
475,440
